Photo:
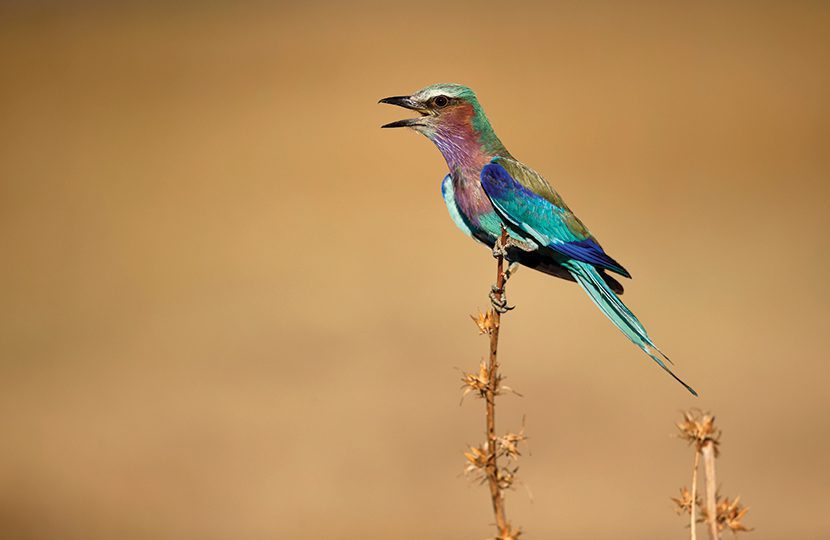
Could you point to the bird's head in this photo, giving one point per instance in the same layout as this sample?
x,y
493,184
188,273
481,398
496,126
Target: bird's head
x,y
440,105
450,114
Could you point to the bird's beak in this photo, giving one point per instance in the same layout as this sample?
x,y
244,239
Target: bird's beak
x,y
407,103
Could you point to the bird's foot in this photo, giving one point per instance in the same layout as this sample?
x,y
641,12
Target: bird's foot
x,y
498,299
499,250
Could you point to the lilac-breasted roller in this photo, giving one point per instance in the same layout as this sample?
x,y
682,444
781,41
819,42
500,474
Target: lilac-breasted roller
x,y
488,190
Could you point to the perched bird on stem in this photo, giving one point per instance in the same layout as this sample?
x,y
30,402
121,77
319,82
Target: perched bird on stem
x,y
487,189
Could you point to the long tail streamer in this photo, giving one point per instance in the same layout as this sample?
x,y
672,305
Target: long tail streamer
x,y
622,317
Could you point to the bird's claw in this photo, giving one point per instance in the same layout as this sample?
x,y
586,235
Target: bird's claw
x,y
499,250
498,300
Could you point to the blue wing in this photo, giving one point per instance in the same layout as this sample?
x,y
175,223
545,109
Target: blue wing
x,y
543,221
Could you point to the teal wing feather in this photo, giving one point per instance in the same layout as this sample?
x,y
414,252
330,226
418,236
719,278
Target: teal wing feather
x,y
526,201
622,317
533,182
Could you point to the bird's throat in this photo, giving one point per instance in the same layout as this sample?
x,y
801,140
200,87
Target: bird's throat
x,y
466,139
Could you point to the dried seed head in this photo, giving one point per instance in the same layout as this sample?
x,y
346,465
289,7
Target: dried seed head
x,y
486,322
699,428
508,444
507,477
476,382
477,458
730,514
684,502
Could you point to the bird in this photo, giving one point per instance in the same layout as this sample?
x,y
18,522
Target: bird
x,y
488,191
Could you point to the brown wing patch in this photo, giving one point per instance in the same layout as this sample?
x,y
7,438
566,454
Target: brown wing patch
x,y
576,226
532,181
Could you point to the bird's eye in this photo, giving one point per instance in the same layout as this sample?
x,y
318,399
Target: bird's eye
x,y
441,101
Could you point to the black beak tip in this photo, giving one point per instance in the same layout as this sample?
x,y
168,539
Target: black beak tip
x,y
397,124
395,100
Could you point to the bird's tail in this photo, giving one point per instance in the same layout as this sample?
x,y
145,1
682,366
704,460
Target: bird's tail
x,y
591,280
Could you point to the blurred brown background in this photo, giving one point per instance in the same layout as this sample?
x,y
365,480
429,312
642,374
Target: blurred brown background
x,y
232,307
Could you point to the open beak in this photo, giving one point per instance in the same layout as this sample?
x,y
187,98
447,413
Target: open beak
x,y
407,103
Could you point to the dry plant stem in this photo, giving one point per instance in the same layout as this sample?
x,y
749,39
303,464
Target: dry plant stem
x,y
492,469
693,519
708,451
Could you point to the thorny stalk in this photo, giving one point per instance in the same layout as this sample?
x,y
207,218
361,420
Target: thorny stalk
x,y
693,518
492,468
708,451
487,384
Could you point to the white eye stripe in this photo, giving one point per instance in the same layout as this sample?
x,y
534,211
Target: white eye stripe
x,y
448,91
